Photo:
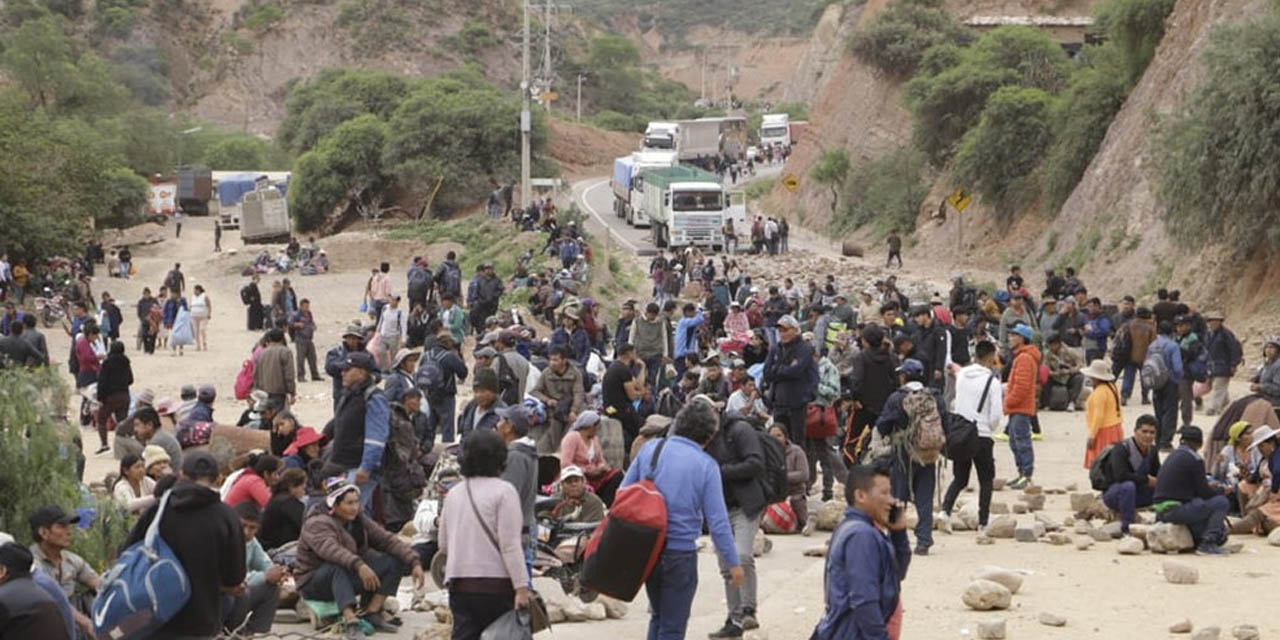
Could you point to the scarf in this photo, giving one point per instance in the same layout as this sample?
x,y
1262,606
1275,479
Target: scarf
x,y
1233,433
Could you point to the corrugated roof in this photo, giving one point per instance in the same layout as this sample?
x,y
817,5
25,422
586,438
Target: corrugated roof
x,y
1030,21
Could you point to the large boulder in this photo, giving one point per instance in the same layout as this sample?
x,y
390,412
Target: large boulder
x,y
1012,580
1165,537
985,595
1001,526
967,518
1273,538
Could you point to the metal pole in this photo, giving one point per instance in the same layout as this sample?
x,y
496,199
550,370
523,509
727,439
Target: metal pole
x,y
579,97
525,123
546,50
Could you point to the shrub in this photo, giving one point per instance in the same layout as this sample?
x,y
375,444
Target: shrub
x,y
614,121
1219,159
263,17
886,192
345,164
830,170
314,107
996,156
38,453
1136,28
897,38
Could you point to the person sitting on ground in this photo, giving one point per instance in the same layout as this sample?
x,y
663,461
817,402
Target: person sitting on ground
x,y
1235,464
572,502
345,557
581,448
1262,512
1132,467
714,384
868,560
1183,495
26,609
259,473
146,428
1102,414
797,478
156,461
203,409
133,488
304,448
1064,371
1267,382
282,519
51,533
254,610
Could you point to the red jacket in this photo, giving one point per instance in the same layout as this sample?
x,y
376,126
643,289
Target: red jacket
x,y
249,486
1020,398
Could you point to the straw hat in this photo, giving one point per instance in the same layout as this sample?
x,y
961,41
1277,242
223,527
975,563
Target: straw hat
x,y
1099,370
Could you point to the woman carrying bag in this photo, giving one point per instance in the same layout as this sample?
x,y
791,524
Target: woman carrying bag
x,y
480,533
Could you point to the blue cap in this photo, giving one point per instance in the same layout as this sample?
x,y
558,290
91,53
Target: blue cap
x,y
1024,331
911,367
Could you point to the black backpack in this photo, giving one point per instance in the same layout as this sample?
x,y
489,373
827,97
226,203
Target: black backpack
x,y
774,480
245,297
1100,470
508,383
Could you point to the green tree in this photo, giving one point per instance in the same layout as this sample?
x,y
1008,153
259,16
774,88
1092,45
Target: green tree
x,y
314,107
1012,135
1219,158
1136,28
39,58
238,153
345,167
37,461
831,170
611,51
896,39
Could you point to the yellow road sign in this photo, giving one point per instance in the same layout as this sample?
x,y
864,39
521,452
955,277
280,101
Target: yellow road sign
x,y
791,182
548,96
960,199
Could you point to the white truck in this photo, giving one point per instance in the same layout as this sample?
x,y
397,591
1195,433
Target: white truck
x,y
775,130
686,206
628,185
699,139
661,136
264,215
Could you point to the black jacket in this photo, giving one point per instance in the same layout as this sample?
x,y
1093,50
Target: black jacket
x,y
959,344
27,611
873,378
452,366
931,347
281,521
792,374
1182,478
116,376
347,427
1122,468
737,448
206,537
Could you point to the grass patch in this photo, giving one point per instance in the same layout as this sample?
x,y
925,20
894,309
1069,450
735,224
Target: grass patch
x,y
757,189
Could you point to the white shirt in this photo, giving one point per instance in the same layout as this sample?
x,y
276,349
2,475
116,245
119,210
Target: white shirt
x,y
199,306
969,385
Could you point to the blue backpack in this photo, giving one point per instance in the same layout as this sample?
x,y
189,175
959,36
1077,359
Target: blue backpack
x,y
145,588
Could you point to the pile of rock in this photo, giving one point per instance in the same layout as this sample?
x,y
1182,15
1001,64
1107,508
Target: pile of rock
x,y
566,608
991,587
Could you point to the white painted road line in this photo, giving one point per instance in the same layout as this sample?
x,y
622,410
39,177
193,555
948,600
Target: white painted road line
x,y
582,198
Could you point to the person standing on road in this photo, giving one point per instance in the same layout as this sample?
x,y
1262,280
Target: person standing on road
x,y
1020,402
1224,356
352,341
905,410
894,242
251,296
868,560
217,238
274,369
360,427
791,377
980,400
443,399
174,281
380,290
1166,397
393,326
303,329
689,480
737,450
177,223
201,313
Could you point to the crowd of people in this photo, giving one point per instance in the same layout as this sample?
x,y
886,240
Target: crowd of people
x,y
747,389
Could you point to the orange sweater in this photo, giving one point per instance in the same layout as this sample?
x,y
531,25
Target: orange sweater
x,y
1020,398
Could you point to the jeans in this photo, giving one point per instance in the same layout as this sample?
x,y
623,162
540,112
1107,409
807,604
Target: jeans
x,y
986,466
915,483
822,450
305,354
1205,518
741,598
1186,401
472,612
1024,456
793,419
341,585
254,611
1219,395
1125,498
1165,400
1126,386
670,589
367,490
441,417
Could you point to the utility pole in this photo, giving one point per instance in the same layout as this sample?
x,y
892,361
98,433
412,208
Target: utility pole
x,y
546,47
580,77
525,121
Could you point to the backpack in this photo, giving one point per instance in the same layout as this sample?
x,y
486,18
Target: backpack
x,y
625,547
430,377
1155,372
244,379
193,434
419,280
1122,347
452,280
508,383
1100,470
774,481
145,588
924,434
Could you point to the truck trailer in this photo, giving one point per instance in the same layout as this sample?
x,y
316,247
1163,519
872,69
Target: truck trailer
x,y
195,189
685,205
628,183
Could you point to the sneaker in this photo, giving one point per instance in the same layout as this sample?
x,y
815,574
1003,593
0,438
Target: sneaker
x,y
1208,549
103,450
378,621
1002,436
749,621
1017,483
922,550
729,630
943,521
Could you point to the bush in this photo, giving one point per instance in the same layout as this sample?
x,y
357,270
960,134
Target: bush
x,y
1012,135
473,37
314,107
614,121
263,17
345,164
38,453
1135,27
897,38
375,26
1219,159
1081,119
830,170
886,192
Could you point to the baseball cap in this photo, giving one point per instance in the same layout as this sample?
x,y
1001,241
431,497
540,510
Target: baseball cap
x,y
361,359
1193,434
572,471
51,514
353,330
518,416
199,464
485,352
911,367
1024,331
789,321
488,338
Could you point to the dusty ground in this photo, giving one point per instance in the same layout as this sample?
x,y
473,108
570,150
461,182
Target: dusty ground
x,y
1102,594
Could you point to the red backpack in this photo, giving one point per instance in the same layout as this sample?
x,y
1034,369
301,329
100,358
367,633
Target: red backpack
x,y
625,547
244,380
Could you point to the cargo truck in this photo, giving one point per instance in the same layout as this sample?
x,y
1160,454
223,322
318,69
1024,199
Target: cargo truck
x,y
685,205
699,139
195,189
264,214
662,136
628,185
775,130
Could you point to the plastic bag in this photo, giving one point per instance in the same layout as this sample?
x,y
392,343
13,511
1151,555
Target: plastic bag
x,y
513,625
364,307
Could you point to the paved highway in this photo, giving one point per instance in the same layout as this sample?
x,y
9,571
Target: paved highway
x,y
594,197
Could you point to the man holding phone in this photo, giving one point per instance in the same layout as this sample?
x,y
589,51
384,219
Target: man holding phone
x,y
867,562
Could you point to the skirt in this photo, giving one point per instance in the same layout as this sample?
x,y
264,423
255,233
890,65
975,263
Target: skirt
x,y
1106,437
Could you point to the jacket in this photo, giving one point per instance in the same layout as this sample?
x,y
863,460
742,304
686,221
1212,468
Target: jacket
x,y
1268,381
931,348
1010,319
27,611
1172,354
862,580
1223,351
1182,478
274,371
686,335
970,383
116,376
522,472
1126,463
797,471
1097,331
828,383
281,521
1142,332
1062,365
1021,398
873,378
359,428
327,540
451,365
650,338
561,387
332,361
396,384
792,374
736,447
488,420
467,548
689,480
206,537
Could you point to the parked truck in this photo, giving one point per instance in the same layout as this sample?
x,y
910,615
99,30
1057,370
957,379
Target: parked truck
x,y
661,136
195,189
264,214
775,129
161,202
685,205
699,139
628,183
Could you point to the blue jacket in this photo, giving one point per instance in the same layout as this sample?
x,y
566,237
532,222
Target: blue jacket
x,y
863,577
1101,329
1172,354
689,480
578,342
687,334
171,310
791,374
377,427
